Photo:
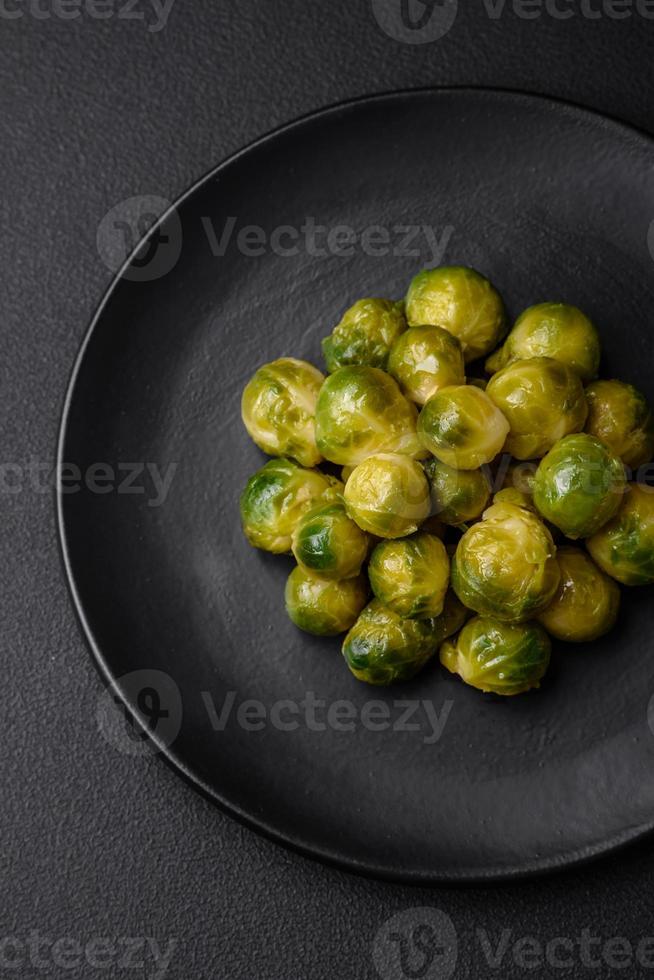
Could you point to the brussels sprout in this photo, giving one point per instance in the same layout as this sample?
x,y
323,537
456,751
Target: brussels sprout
x,y
504,566
457,496
365,335
362,411
411,575
388,495
327,542
462,427
425,359
579,485
463,302
619,415
324,606
382,647
498,657
277,497
278,408
551,330
478,383
586,603
543,401
624,547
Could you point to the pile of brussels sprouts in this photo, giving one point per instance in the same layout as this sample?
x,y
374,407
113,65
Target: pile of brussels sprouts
x,y
429,511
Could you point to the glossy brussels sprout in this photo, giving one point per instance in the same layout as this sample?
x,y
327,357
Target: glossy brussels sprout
x,y
619,415
586,602
277,497
411,575
457,496
362,411
278,408
365,335
388,495
462,301
382,647
462,427
425,359
497,657
505,565
324,606
624,547
552,330
579,485
328,542
542,400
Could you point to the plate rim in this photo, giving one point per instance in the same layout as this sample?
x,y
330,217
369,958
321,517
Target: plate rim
x,y
521,871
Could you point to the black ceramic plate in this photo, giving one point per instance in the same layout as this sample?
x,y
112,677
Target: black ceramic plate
x,y
550,202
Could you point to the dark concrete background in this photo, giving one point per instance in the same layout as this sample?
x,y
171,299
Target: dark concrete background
x,y
95,843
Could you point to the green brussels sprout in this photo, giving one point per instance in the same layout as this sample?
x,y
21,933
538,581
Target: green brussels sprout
x,y
619,415
411,575
543,401
462,301
324,606
554,330
327,542
457,496
382,647
478,383
579,485
362,411
365,335
425,359
505,565
624,547
388,495
277,497
278,408
586,603
497,657
462,427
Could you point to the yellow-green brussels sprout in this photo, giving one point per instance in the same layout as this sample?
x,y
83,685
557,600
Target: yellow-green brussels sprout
x,y
327,542
619,415
498,657
505,565
324,606
382,647
425,359
579,485
365,335
388,495
278,408
277,497
411,575
543,401
462,301
362,411
586,603
462,427
457,496
551,330
624,547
